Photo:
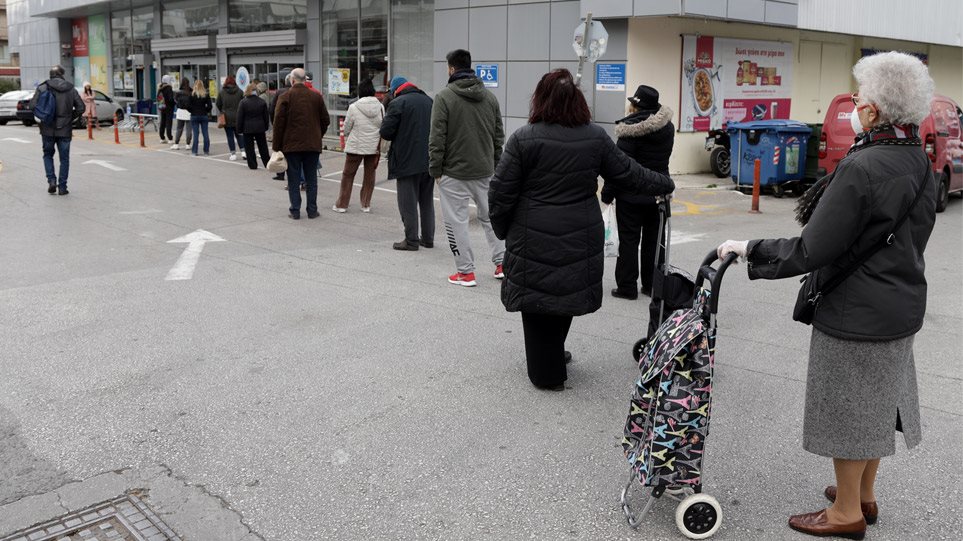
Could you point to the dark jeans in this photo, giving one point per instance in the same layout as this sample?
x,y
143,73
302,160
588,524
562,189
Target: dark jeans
x,y
545,347
261,140
166,123
199,123
636,222
183,126
233,134
62,145
415,193
303,165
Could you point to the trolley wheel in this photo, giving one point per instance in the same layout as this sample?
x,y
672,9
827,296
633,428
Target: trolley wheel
x,y
637,349
698,516
778,191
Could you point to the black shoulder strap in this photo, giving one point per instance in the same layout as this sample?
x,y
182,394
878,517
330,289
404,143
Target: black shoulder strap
x,y
834,282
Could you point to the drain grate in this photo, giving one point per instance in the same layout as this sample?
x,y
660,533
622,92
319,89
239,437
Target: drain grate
x,y
125,519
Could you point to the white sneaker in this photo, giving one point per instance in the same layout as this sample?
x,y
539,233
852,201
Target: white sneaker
x,y
365,209
233,157
244,155
174,147
338,209
163,141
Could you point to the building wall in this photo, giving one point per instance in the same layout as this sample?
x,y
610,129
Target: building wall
x,y
938,21
822,68
36,40
525,39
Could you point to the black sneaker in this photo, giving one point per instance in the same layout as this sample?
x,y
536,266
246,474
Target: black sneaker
x,y
404,246
294,216
647,291
279,176
51,188
62,191
426,243
313,215
622,294
568,357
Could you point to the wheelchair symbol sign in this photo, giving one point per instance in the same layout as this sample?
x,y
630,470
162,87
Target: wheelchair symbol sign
x,y
488,73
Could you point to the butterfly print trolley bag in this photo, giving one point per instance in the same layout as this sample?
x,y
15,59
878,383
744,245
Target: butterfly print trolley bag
x,y
668,419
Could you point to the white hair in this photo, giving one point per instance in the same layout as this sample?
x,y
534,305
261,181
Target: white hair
x,y
297,75
898,84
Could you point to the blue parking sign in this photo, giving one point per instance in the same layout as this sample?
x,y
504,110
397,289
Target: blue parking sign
x,y
488,73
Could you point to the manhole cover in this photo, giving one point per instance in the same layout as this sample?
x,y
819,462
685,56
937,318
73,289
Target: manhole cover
x,y
124,519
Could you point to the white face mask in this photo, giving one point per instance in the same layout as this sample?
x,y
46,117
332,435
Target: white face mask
x,y
855,122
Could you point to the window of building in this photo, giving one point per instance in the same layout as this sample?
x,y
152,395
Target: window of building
x,y
264,15
184,18
120,40
412,39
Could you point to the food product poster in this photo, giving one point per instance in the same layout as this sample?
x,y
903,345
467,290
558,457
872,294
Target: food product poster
x,y
728,80
79,45
339,81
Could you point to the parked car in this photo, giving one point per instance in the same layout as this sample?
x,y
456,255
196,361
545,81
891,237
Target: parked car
x,y
8,104
106,107
25,112
940,132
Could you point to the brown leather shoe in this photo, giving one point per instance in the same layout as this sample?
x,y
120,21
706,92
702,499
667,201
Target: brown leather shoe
x,y
817,524
870,509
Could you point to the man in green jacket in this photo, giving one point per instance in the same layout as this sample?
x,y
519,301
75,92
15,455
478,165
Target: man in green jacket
x,y
464,146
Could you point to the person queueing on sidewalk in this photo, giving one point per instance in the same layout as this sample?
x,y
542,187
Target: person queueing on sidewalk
x,y
90,106
165,109
200,108
407,124
182,98
300,121
58,133
647,136
274,102
464,146
252,122
227,103
363,145
543,203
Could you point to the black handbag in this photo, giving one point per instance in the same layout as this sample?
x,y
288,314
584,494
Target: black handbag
x,y
807,300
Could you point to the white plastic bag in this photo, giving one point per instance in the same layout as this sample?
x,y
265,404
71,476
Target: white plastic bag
x,y
611,232
277,163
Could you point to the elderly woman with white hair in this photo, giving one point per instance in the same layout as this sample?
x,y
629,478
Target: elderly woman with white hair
x,y
866,227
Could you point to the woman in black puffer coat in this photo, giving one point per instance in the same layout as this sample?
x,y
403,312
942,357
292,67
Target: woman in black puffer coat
x,y
543,203
647,135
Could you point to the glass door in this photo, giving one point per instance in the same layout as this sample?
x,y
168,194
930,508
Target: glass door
x,y
373,58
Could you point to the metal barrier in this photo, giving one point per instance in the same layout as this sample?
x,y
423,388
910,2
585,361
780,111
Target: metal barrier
x,y
135,120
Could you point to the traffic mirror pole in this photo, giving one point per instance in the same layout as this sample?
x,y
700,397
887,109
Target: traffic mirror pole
x,y
586,39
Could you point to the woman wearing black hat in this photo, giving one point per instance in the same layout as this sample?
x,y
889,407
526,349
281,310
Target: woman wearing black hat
x,y
646,135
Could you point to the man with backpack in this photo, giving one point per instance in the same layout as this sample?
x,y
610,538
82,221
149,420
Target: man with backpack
x,y
56,104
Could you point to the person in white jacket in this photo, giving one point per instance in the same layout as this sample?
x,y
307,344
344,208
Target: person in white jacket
x,y
363,144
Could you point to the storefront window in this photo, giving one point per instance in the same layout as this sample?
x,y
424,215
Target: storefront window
x,y
184,18
120,34
412,39
263,15
339,53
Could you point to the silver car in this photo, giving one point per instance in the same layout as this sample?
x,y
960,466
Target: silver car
x,y
8,104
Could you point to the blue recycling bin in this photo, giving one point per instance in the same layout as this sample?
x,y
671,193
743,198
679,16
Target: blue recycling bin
x,y
780,145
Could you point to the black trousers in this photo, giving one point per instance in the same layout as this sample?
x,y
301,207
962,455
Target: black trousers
x,y
545,347
262,148
416,195
636,222
167,123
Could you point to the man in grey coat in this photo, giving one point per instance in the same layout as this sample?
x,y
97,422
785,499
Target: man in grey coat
x,y
464,145
57,134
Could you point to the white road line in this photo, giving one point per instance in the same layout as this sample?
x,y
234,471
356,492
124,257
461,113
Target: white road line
x,y
146,211
184,268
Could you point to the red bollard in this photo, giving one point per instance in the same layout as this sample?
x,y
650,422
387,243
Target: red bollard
x,y
90,130
756,188
140,124
116,130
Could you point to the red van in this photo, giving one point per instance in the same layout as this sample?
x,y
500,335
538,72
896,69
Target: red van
x,y
940,131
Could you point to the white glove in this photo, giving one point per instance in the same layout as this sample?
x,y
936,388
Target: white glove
x,y
737,247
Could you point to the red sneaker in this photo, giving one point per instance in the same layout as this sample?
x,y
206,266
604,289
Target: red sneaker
x,y
499,272
467,280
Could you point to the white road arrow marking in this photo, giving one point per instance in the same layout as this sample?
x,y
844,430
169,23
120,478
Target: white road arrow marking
x,y
106,164
184,268
15,140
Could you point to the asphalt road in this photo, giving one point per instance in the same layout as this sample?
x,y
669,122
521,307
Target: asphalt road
x,y
328,387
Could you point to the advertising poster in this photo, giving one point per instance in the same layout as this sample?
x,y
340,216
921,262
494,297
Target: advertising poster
x,y
733,80
339,81
242,78
81,72
78,37
97,45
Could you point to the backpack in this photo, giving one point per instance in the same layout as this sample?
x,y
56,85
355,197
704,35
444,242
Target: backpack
x,y
46,109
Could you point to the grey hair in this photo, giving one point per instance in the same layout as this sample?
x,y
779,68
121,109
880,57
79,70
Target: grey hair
x,y
898,84
297,75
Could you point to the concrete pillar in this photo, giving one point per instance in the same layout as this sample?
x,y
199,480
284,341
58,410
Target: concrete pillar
x,y
312,45
222,28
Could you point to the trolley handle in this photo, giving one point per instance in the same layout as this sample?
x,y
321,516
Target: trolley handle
x,y
665,204
714,276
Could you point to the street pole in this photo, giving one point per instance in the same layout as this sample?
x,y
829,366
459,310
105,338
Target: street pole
x,y
586,39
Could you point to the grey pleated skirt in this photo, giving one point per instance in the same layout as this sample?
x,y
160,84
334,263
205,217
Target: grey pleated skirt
x,y
855,392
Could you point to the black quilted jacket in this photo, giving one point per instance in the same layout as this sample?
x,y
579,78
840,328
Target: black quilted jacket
x,y
543,202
